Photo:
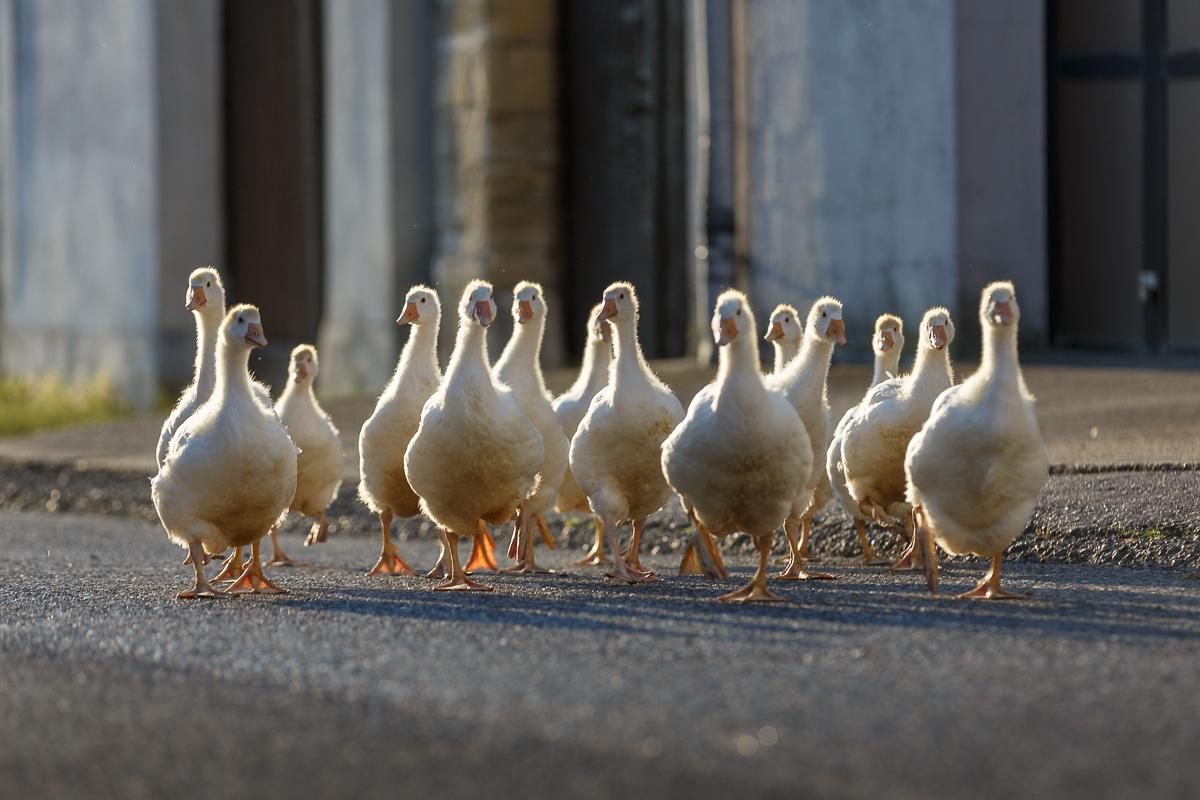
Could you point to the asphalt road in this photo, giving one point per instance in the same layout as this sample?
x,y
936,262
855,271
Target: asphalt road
x,y
561,684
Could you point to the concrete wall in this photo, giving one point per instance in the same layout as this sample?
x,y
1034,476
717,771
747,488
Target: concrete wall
x,y
80,284
1000,99
376,174
496,154
851,134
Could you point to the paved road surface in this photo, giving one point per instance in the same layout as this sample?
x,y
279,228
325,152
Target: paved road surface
x,y
363,687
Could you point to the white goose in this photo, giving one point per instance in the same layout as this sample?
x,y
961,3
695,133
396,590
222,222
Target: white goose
x,y
319,469
616,452
785,333
519,367
383,486
741,456
230,472
570,408
887,343
878,434
206,301
976,467
803,381
475,457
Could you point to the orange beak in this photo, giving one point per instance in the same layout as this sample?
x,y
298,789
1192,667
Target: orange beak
x,y
608,311
483,312
937,337
196,298
524,311
409,316
301,371
837,330
254,335
886,341
776,332
728,333
1003,313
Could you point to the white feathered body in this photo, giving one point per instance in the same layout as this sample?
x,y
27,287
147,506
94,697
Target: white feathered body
x,y
475,455
979,463
527,387
876,437
802,382
383,484
319,467
229,475
740,457
834,470
570,407
616,452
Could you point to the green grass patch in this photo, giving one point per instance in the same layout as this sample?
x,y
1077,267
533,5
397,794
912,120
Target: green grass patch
x,y
33,404
1150,533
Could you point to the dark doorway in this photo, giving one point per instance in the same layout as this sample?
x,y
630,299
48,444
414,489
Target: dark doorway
x,y
624,129
274,168
1124,172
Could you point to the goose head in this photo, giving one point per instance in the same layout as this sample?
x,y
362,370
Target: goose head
x,y
784,325
620,303
825,323
421,306
937,330
889,335
206,293
243,327
998,307
529,302
477,304
305,364
731,317
600,330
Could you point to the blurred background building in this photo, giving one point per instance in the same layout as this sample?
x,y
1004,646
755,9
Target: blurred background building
x,y
326,154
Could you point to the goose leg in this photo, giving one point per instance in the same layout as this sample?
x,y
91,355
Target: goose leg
x,y
632,555
458,580
202,588
439,569
525,537
483,552
231,567
756,591
989,587
252,578
278,557
795,570
319,531
188,559
544,532
805,531
595,556
925,536
390,562
870,557
911,558
621,571
701,557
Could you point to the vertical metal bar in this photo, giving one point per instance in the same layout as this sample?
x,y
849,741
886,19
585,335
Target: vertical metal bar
x,y
1154,145
741,145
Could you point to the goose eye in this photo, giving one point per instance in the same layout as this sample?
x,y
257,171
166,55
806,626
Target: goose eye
x,y
621,296
422,299
208,285
240,320
739,312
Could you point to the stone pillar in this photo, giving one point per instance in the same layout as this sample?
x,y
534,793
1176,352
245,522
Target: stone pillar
x,y
496,157
190,175
851,140
376,132
8,70
80,288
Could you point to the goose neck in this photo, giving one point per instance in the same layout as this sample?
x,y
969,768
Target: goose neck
x,y
886,363
738,360
470,359
233,374
931,363
785,351
629,364
205,373
1000,352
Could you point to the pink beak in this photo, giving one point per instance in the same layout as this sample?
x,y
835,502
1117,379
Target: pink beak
x,y
1004,312
196,298
483,312
409,316
254,335
608,312
937,337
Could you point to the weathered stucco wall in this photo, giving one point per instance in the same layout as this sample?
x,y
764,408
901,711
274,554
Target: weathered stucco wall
x,y
851,138
80,285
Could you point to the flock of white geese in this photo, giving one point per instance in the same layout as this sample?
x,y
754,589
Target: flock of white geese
x,y
959,465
